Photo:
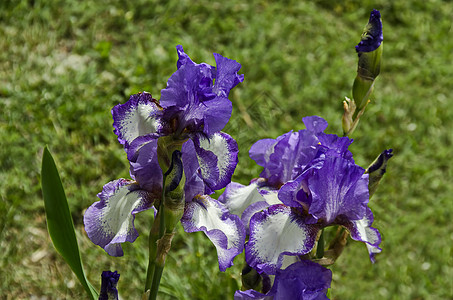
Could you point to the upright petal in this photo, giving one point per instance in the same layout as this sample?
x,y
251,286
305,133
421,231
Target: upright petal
x,y
110,221
275,232
140,116
227,76
225,230
338,188
217,157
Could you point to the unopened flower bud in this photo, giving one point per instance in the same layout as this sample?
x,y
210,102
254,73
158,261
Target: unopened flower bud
x,y
369,51
377,169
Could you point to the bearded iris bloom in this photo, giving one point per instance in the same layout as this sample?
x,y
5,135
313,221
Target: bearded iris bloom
x,y
193,108
310,181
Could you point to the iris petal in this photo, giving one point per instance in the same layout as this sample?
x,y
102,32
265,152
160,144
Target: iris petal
x,y
139,116
110,221
225,230
275,232
217,157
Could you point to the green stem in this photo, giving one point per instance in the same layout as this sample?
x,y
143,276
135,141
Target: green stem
x,y
156,233
320,248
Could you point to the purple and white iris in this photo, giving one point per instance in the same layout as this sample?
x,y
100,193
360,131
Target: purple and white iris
x,y
193,108
309,182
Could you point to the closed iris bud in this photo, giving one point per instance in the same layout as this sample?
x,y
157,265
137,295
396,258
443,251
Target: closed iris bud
x,y
369,51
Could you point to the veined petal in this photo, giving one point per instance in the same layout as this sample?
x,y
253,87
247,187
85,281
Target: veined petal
x,y
362,231
338,188
275,232
225,230
110,221
217,158
140,116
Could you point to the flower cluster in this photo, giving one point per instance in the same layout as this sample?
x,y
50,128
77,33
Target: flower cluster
x,y
193,108
310,181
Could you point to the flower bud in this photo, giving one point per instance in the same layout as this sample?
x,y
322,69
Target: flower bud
x,y
108,285
174,191
377,169
369,51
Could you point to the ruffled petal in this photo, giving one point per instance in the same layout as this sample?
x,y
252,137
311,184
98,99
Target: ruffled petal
x,y
362,231
110,221
227,76
225,230
217,158
275,232
140,116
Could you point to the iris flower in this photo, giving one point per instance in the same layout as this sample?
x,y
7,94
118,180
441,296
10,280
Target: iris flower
x,y
310,181
193,108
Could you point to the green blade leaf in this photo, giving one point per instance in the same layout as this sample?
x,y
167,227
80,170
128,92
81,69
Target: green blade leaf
x,y
59,220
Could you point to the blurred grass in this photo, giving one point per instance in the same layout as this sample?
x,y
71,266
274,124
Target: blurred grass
x,y
65,64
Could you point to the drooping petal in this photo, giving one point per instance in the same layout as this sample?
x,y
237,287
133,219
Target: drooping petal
x,y
110,221
338,188
140,116
225,230
217,158
275,232
362,231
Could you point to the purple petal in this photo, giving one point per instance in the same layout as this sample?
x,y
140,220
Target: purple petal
x,y
362,231
217,114
140,116
338,188
276,232
226,76
183,58
110,221
145,168
315,124
302,280
217,158
225,230
194,181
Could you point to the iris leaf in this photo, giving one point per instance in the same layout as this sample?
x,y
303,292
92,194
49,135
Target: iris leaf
x,y
59,220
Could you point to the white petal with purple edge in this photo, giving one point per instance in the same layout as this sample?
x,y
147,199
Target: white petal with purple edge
x,y
362,231
276,232
225,231
137,117
110,221
217,156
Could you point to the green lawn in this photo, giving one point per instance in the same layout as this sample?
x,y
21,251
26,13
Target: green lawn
x,y
65,64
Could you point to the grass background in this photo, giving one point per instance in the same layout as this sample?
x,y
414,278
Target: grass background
x,y
65,64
